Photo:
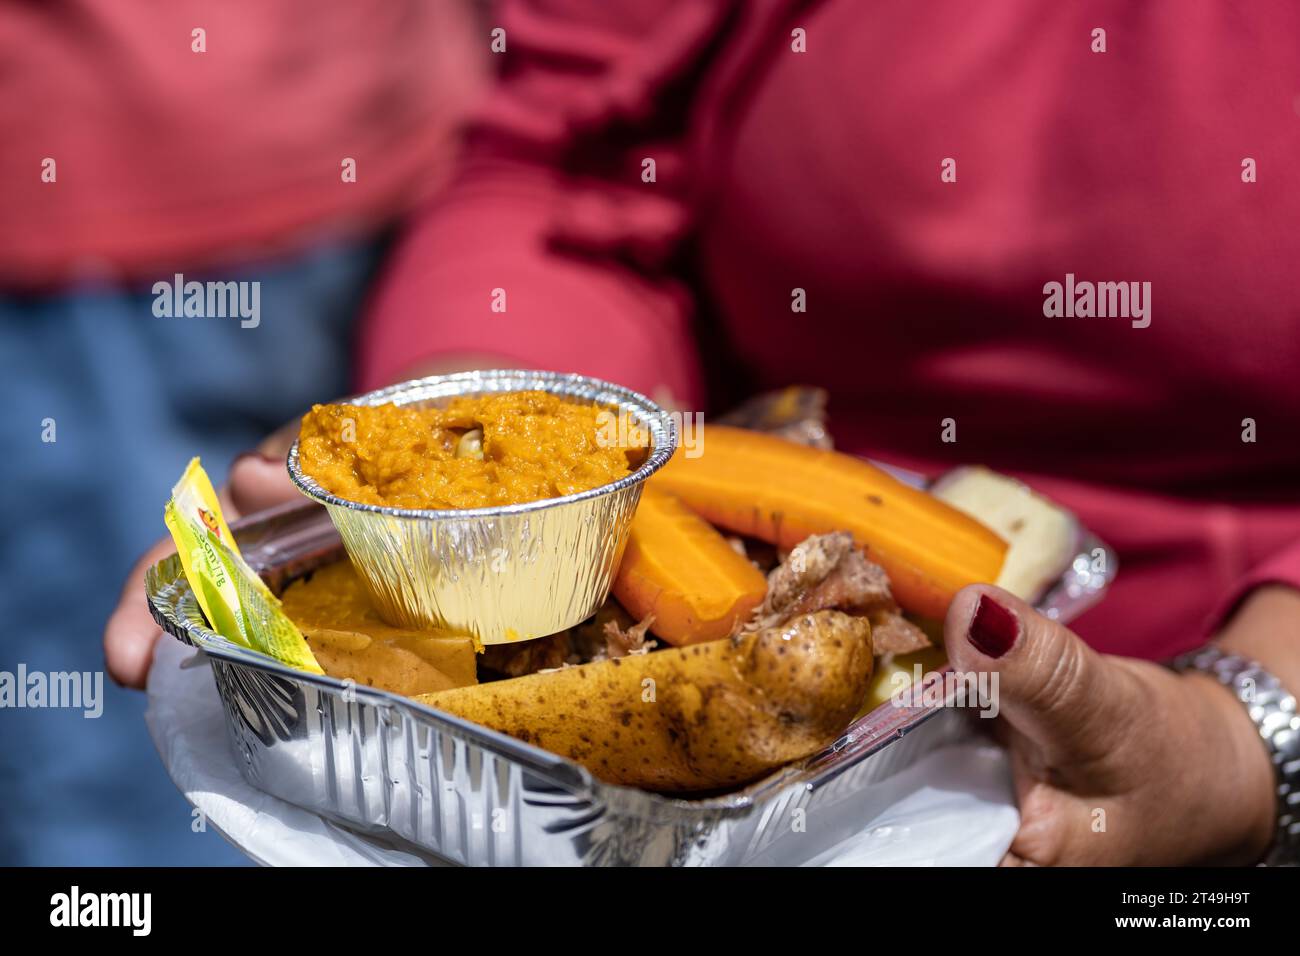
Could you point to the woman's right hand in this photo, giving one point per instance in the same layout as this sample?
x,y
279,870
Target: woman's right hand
x,y
258,480
1117,761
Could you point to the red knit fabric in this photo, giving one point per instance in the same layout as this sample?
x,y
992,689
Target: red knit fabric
x,y
165,158
778,170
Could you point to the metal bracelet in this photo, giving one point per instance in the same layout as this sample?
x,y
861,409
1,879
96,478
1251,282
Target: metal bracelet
x,y
1273,709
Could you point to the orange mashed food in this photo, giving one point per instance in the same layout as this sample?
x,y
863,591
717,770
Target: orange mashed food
x,y
477,452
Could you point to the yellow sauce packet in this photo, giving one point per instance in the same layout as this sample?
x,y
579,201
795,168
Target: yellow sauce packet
x,y
237,603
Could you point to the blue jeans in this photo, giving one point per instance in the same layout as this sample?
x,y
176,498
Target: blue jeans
x,y
132,397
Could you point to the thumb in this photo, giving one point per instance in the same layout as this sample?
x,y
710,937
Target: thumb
x,y
1051,687
257,484
259,479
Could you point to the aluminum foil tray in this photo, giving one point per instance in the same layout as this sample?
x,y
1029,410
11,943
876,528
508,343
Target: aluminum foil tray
x,y
379,762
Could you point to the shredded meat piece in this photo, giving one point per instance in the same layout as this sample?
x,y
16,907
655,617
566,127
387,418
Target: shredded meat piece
x,y
827,571
608,633
823,572
809,566
527,657
620,642
891,633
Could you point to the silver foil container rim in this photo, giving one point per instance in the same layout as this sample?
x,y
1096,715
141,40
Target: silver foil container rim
x,y
662,429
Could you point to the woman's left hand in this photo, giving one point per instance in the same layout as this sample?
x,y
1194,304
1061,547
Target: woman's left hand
x,y
1116,761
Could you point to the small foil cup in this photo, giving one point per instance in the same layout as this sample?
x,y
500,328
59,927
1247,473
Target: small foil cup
x,y
507,573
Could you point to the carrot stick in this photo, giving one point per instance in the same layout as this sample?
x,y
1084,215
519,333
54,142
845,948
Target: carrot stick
x,y
680,569
781,492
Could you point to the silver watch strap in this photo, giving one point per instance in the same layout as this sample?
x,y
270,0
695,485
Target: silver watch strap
x,y
1273,709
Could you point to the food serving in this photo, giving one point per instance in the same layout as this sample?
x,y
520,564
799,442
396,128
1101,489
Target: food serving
x,y
754,597
764,590
716,713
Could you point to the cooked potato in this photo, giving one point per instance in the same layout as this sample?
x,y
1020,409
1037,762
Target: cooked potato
x,y
404,665
351,641
701,717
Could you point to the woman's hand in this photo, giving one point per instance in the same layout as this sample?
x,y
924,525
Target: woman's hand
x,y
257,480
1116,761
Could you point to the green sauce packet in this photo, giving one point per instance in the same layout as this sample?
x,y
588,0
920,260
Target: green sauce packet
x,y
237,603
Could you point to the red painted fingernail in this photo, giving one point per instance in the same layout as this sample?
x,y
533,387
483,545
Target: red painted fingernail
x,y
993,628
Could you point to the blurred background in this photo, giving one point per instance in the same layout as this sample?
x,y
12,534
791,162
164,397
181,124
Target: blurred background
x,y
224,163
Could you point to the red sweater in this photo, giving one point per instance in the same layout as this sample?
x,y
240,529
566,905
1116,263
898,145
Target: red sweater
x,y
778,170
165,158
